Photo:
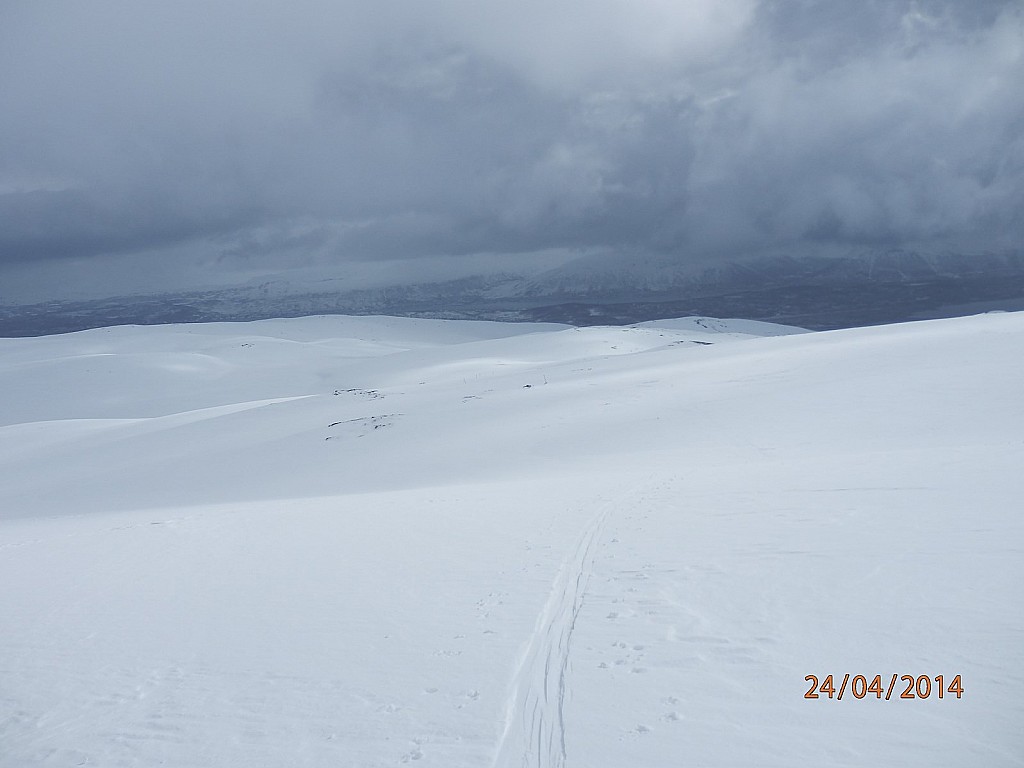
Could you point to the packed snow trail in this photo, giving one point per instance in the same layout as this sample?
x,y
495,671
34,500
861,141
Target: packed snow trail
x,y
534,735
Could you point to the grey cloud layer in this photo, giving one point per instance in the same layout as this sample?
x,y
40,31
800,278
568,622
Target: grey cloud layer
x,y
319,131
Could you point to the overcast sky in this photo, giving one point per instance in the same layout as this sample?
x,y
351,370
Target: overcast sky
x,y
147,144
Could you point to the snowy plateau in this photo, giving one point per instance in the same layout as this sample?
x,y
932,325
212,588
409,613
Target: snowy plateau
x,y
372,541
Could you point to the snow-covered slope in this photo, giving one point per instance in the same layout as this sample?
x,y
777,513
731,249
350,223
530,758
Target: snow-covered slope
x,y
374,541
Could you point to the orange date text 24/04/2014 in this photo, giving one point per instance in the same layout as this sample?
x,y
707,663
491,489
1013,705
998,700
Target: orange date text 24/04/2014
x,y
861,686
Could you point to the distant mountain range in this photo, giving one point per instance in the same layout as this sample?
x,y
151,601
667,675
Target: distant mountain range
x,y
812,292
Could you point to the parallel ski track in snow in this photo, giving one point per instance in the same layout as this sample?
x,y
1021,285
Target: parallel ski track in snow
x,y
534,735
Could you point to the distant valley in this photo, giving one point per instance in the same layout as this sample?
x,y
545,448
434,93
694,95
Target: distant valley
x,y
814,293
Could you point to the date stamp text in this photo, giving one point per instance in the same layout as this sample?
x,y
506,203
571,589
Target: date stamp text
x,y
898,686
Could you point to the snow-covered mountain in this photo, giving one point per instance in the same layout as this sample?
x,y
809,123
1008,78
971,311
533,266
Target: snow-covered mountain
x,y
618,275
377,541
822,293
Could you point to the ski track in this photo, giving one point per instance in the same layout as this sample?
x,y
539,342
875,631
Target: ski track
x,y
534,735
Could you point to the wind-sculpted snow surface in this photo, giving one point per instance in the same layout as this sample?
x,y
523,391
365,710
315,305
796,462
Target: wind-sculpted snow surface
x,y
377,542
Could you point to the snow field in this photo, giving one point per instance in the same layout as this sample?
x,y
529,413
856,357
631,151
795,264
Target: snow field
x,y
375,541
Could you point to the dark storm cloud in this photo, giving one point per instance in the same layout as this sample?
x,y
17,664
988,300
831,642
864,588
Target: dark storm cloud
x,y
256,135
919,142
